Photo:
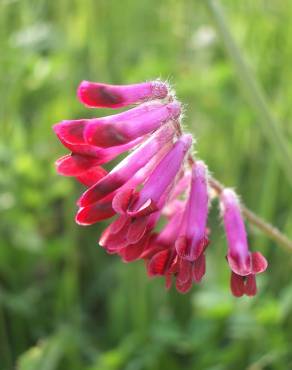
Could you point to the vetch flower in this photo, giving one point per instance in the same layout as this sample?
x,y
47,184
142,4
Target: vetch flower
x,y
157,182
244,264
129,166
192,239
99,95
118,129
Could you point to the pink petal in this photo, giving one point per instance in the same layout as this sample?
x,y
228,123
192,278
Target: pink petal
x,y
184,287
75,164
99,95
91,176
133,252
137,122
199,268
130,166
250,288
95,213
259,263
71,131
185,271
137,229
237,285
158,263
122,200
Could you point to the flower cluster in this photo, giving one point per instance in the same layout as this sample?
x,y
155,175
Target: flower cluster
x,y
158,181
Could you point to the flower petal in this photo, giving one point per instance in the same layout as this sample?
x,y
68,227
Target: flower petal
x,y
127,126
250,288
99,95
199,268
259,263
91,176
128,167
96,212
158,263
237,284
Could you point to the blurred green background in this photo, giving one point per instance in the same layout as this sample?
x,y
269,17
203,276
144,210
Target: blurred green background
x,y
64,303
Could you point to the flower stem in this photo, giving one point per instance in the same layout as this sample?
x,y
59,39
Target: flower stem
x,y
270,127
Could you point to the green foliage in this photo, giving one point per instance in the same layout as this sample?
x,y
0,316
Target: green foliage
x,y
64,304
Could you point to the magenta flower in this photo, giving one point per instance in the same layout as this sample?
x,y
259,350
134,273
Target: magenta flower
x,y
99,95
192,239
118,129
126,169
157,182
244,264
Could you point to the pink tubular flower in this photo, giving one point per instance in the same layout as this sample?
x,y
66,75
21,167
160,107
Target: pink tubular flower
x,y
147,201
157,182
99,95
192,240
128,167
244,264
118,129
130,125
85,157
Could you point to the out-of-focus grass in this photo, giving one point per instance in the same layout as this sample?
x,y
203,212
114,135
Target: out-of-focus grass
x,y
64,304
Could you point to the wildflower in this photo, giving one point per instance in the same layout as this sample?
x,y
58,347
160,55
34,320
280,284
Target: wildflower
x,y
156,182
192,239
100,95
244,264
129,166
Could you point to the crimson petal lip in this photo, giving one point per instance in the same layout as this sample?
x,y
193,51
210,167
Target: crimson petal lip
x,y
100,95
75,164
96,212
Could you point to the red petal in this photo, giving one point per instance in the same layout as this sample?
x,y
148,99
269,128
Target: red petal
x,y
105,186
146,209
237,285
182,247
75,164
95,213
199,268
98,95
114,236
152,248
173,264
185,271
91,176
122,200
71,131
119,224
137,229
250,288
158,263
259,263
184,287
133,251
239,265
